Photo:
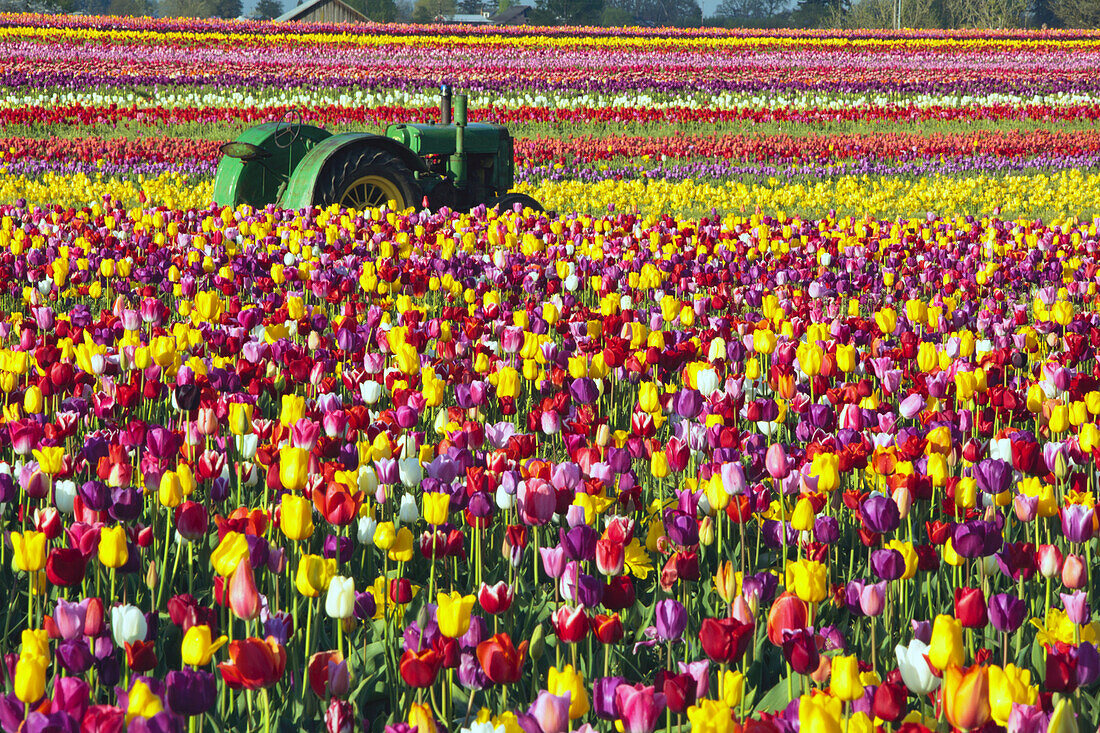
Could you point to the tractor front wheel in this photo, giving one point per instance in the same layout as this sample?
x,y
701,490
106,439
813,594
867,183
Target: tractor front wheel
x,y
366,177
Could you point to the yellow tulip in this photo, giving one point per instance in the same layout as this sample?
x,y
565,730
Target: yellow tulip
x,y
293,467
314,575
30,678
30,551
808,579
453,613
143,703
293,408
229,553
1009,685
197,648
435,507
844,681
113,552
49,459
946,648
569,681
296,517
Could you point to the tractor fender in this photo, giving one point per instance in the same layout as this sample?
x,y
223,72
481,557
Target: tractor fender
x,y
257,182
301,190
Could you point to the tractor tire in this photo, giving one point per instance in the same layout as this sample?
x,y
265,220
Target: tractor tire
x,y
509,200
364,177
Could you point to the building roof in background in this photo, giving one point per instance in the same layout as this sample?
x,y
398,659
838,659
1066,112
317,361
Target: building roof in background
x,y
507,15
297,12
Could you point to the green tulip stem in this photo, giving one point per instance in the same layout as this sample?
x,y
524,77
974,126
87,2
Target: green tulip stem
x,y
340,635
163,564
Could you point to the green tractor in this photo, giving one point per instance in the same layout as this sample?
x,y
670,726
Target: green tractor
x,y
297,166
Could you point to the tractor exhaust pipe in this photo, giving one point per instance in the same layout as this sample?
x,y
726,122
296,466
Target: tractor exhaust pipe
x,y
458,160
445,103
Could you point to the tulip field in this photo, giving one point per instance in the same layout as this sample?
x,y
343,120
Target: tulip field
x,y
785,420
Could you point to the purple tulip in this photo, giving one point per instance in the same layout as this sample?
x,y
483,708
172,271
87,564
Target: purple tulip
x,y
1088,664
826,529
1077,523
1006,612
1077,606
579,542
58,722
880,514
75,656
553,561
603,697
584,391
700,672
69,618
190,692
888,564
670,619
993,475
70,696
470,674
682,528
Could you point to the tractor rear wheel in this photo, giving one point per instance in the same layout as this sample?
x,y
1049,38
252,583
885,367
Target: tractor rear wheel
x,y
509,200
364,177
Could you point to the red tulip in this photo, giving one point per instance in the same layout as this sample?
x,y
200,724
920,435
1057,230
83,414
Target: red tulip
x,y
608,629
253,663
725,640
65,567
970,608
500,660
570,624
788,612
495,599
419,669
141,656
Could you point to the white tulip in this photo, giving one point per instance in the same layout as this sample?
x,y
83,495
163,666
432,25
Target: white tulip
x,y
128,625
505,501
64,496
370,391
915,672
365,530
410,472
408,513
340,601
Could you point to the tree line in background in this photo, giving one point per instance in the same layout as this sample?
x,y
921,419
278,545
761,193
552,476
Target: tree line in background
x,y
655,13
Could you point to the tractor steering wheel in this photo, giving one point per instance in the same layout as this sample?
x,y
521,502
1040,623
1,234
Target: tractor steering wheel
x,y
288,129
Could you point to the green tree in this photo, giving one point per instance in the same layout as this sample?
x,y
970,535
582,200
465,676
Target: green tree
x,y
425,11
816,13
683,13
752,11
186,8
380,11
134,8
227,8
268,9
1076,13
567,12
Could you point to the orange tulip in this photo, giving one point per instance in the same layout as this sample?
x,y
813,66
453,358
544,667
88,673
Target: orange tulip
x,y
788,612
966,696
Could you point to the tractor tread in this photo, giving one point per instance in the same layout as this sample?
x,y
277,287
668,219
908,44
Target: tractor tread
x,y
357,160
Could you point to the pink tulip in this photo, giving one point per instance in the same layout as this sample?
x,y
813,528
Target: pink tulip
x,y
639,707
244,598
776,461
304,433
551,712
